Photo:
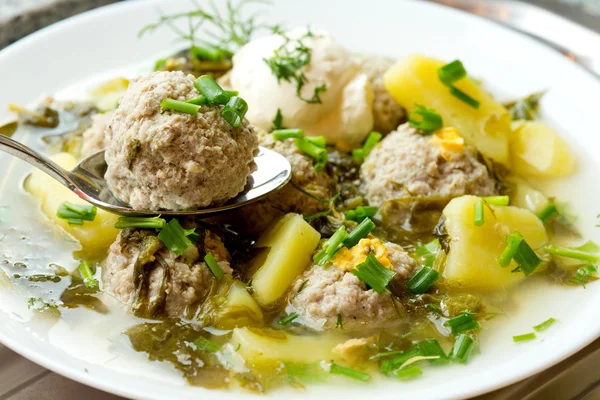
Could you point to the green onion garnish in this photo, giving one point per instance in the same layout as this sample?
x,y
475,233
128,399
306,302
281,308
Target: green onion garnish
x,y
350,373
212,264
85,270
479,213
340,322
411,371
318,153
373,273
175,238
422,280
387,366
425,119
234,111
548,212
428,252
368,145
462,349
464,97
331,246
462,323
360,213
432,348
524,337
277,121
317,140
288,319
232,93
512,244
282,134
214,93
140,222
181,106
452,72
204,344
76,213
584,275
207,53
361,231
198,100
497,200
526,258
587,252
159,64
544,325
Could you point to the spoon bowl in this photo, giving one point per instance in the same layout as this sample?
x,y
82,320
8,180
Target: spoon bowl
x,y
87,181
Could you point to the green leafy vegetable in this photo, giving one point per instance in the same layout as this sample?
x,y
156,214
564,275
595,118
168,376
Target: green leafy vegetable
x,y
584,275
375,275
428,252
525,109
207,345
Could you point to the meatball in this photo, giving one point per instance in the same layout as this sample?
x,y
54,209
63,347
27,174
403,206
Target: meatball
x,y
387,114
258,216
93,137
407,164
162,159
153,281
322,294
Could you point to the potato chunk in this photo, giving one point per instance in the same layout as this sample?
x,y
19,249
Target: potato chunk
x,y
414,80
538,151
291,242
263,347
472,259
94,236
239,309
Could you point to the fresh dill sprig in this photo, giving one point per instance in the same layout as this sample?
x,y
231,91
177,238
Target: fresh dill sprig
x,y
288,61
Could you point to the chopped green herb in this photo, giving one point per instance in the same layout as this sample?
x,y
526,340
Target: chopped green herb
x,y
548,212
512,245
207,53
388,366
140,222
317,215
210,89
428,252
339,323
301,288
462,349
175,238
588,252
368,145
585,275
234,111
282,134
76,213
425,119
85,270
544,325
452,72
277,121
524,337
525,109
479,213
75,221
518,249
361,231
422,280
319,154
432,348
375,275
288,319
462,323
317,140
181,106
38,304
412,371
331,246
361,212
497,200
465,98
213,265
198,100
207,345
350,373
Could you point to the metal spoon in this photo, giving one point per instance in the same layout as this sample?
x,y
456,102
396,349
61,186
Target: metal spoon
x,y
86,180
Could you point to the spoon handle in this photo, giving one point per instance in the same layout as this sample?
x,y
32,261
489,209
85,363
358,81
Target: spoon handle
x,y
39,161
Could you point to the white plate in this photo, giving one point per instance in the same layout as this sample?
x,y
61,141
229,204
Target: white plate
x,y
103,42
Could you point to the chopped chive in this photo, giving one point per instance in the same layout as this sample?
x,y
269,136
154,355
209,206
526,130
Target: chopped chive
x,y
524,337
277,121
159,64
548,212
140,222
339,323
428,252
317,215
317,140
282,134
85,270
385,354
350,373
388,366
462,323
197,101
573,252
425,119
368,145
361,231
361,212
584,275
213,265
459,94
331,246
313,372
204,344
75,221
544,325
412,371
518,249
76,213
174,237
431,347
288,319
318,153
452,72
462,349
497,200
232,92
375,275
512,244
422,280
181,106
214,93
479,213
207,53
234,111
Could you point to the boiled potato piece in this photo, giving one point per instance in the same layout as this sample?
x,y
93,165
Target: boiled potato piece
x,y
523,195
262,347
94,236
414,80
106,96
538,151
291,242
472,259
240,309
